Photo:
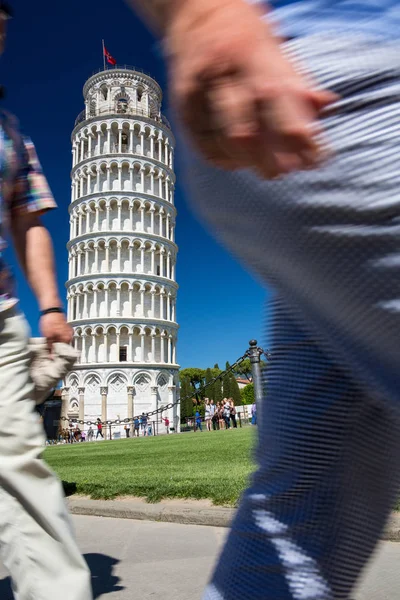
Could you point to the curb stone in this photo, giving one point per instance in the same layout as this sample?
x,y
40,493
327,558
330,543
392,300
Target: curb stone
x,y
185,513
171,512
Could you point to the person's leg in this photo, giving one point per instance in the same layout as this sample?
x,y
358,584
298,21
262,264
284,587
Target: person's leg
x,y
329,462
37,544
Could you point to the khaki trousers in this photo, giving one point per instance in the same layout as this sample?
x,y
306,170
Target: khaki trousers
x,y
37,544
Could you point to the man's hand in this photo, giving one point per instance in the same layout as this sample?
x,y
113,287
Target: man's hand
x,y
242,101
54,328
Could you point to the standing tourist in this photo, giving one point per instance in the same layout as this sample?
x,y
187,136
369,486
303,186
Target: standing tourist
x,y
144,423
305,94
221,420
99,429
208,416
227,413
37,545
127,428
90,434
198,420
233,413
136,424
166,423
213,418
254,414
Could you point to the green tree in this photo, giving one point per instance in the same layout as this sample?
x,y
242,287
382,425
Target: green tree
x,y
226,386
210,390
187,393
247,394
217,367
196,376
244,369
217,391
235,392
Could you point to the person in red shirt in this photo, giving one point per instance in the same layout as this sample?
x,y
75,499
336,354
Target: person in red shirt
x,y
166,423
99,429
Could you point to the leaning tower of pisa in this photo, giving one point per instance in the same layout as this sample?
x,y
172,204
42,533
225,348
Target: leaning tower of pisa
x,y
122,252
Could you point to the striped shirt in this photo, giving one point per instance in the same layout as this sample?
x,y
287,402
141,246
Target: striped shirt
x,y
298,18
24,189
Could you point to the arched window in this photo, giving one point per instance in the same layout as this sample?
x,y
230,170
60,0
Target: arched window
x,y
104,92
122,105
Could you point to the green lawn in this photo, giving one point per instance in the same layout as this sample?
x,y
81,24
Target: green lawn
x,y
212,465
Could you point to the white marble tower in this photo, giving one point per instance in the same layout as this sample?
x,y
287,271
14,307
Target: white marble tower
x,y
122,254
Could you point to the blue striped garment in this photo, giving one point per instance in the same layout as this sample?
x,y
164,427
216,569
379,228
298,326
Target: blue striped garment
x,y
328,241
297,18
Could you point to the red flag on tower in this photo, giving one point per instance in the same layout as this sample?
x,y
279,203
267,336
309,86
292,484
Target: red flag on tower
x,y
111,60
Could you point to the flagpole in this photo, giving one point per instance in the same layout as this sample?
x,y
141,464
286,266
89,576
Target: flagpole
x,y
104,56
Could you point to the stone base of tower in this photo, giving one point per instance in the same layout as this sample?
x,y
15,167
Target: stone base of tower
x,y
118,392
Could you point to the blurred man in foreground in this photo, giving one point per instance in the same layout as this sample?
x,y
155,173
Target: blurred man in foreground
x,y
36,540
315,111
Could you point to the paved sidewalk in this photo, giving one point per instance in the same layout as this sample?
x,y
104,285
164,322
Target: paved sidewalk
x,y
186,512
148,560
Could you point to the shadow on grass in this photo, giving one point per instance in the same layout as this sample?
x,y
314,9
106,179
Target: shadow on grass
x,y
69,488
103,580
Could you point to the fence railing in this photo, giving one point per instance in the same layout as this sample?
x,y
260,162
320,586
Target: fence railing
x,y
254,353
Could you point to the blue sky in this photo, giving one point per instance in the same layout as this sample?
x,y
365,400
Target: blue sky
x,y
52,48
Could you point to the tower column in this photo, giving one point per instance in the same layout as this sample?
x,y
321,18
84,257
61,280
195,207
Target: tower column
x,y
108,178
81,392
95,303
119,262
163,347
118,301
96,258
107,257
142,292
130,348
94,352
142,336
169,265
83,356
109,139
130,391
169,307
107,311
170,349
142,249
106,347
104,393
131,301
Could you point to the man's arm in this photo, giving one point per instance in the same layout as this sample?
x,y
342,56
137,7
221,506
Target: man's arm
x,y
34,249
239,97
